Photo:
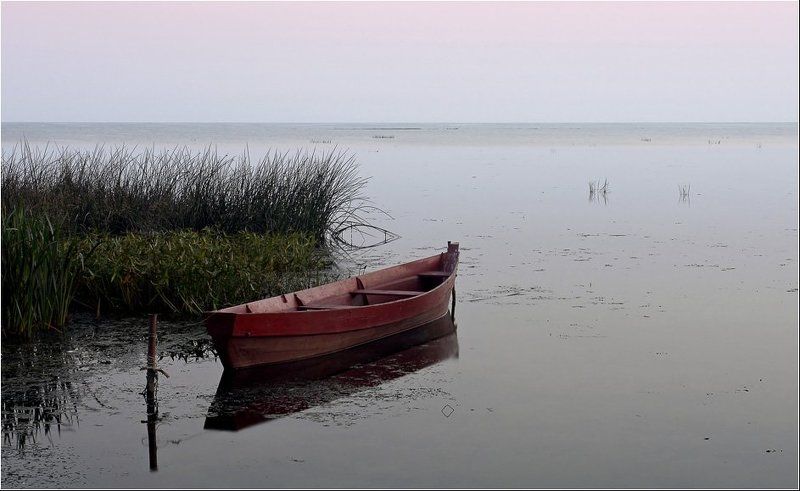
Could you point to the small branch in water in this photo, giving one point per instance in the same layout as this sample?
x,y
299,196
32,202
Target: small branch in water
x,y
362,231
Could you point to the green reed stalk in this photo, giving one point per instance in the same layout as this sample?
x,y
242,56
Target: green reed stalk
x,y
126,190
40,266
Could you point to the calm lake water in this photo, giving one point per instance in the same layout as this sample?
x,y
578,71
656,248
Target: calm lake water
x,y
643,339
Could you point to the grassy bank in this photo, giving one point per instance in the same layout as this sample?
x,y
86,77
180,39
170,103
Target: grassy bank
x,y
119,231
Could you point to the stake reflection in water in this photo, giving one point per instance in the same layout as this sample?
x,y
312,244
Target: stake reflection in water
x,y
152,420
248,397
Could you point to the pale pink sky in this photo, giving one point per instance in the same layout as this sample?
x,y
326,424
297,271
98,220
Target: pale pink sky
x,y
449,61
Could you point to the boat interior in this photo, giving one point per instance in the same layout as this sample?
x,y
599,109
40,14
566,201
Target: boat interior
x,y
402,288
386,285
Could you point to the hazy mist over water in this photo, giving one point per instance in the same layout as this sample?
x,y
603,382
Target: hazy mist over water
x,y
228,136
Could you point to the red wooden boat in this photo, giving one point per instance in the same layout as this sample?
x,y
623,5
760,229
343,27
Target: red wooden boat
x,y
336,316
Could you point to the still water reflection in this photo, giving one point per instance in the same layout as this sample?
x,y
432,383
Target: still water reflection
x,y
49,384
250,397
39,395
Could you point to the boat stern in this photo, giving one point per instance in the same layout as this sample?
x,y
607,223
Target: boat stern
x,y
450,258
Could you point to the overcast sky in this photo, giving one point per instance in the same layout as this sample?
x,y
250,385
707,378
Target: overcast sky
x,y
392,62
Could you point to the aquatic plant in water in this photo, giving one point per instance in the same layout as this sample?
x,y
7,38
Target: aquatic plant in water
x,y
40,268
189,272
172,231
124,190
597,187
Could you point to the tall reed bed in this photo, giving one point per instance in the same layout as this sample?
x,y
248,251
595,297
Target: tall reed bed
x,y
123,190
40,269
127,230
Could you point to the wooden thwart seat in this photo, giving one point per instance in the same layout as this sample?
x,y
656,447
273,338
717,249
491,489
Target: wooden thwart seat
x,y
324,307
396,293
434,274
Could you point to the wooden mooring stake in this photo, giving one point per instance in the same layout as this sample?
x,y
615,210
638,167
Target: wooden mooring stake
x,y
152,368
151,391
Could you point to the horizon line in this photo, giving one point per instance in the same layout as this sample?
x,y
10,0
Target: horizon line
x,y
396,122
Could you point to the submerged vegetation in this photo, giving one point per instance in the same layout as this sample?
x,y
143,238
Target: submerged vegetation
x,y
121,230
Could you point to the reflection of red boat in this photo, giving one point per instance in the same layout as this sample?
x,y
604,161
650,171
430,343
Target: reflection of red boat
x,y
248,397
337,316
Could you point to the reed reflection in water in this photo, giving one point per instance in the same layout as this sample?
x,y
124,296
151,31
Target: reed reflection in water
x,y
39,393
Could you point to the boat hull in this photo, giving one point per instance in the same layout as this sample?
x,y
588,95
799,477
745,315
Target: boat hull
x,y
249,351
337,316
